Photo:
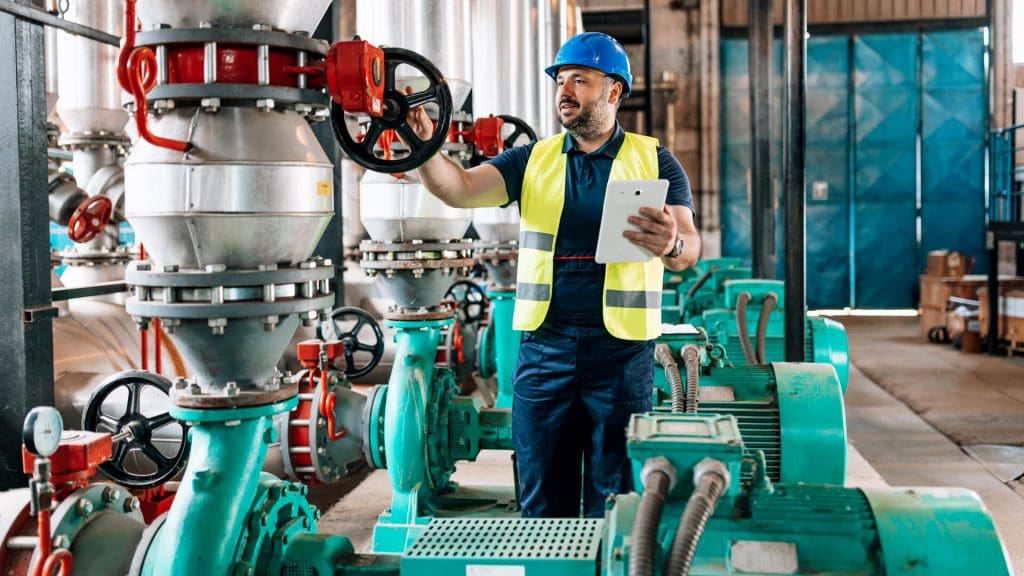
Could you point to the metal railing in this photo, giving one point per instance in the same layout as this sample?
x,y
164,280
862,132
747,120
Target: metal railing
x,y
1006,169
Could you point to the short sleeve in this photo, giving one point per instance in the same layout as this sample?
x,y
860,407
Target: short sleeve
x,y
670,169
512,165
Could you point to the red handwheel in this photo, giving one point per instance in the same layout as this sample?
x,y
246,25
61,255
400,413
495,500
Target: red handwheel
x,y
90,218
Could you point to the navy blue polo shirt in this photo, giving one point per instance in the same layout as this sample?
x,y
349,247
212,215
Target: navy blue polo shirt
x,y
576,294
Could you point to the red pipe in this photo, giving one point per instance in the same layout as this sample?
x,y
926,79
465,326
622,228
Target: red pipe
x,y
157,353
136,71
47,560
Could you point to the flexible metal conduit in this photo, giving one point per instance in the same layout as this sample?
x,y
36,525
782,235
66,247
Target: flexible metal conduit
x,y
691,361
770,300
742,300
700,282
663,356
658,477
711,479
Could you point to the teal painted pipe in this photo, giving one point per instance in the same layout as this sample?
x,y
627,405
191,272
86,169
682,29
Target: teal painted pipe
x,y
405,441
506,343
203,526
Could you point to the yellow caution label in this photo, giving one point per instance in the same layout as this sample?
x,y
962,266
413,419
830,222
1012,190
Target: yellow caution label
x,y
324,188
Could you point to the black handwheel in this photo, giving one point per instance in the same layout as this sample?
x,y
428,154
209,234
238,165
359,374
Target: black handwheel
x,y
470,301
396,108
131,418
521,129
346,324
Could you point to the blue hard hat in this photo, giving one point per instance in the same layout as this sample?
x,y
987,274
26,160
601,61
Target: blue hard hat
x,y
594,50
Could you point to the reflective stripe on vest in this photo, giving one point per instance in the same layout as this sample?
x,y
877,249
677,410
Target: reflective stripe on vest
x,y
632,291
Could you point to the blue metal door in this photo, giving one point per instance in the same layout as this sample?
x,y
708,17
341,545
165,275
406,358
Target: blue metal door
x,y
954,125
886,119
828,172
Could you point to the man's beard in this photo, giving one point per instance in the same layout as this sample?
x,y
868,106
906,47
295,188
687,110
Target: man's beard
x,y
589,124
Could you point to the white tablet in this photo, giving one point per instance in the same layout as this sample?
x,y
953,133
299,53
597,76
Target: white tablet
x,y
622,199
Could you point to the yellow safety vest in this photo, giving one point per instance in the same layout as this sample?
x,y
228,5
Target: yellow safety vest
x,y
632,291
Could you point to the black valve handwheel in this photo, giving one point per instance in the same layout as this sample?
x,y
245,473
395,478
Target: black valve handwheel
x,y
132,419
521,129
470,301
396,108
336,328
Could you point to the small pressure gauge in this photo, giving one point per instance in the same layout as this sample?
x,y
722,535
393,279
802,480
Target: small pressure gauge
x,y
41,434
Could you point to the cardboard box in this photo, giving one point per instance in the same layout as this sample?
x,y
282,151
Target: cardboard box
x,y
946,263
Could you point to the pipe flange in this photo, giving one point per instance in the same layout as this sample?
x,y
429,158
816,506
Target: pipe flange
x,y
94,140
170,36
81,255
192,396
442,263
263,97
144,309
405,250
142,549
144,274
419,314
217,294
83,506
373,427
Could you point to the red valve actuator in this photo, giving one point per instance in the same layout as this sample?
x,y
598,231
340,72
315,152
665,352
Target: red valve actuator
x,y
355,77
487,136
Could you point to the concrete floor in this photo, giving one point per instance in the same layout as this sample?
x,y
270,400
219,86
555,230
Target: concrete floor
x,y
976,401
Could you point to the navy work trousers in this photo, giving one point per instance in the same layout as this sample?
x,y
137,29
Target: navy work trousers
x,y
574,389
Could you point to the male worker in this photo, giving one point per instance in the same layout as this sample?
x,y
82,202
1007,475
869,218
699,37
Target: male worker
x,y
586,360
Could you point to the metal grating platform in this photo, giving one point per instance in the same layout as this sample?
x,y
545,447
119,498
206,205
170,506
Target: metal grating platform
x,y
524,545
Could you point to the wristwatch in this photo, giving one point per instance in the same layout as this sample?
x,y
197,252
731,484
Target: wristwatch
x,y
677,248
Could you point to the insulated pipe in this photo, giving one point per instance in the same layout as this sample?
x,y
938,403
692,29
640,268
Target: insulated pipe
x,y
770,300
742,331
663,356
658,477
691,361
711,479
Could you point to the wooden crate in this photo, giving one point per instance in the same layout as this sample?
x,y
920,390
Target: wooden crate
x,y
1011,312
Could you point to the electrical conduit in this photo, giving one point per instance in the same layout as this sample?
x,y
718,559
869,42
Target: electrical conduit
x,y
742,331
663,356
711,479
769,302
658,477
691,362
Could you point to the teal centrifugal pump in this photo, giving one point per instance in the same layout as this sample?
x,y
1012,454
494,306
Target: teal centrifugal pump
x,y
417,428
